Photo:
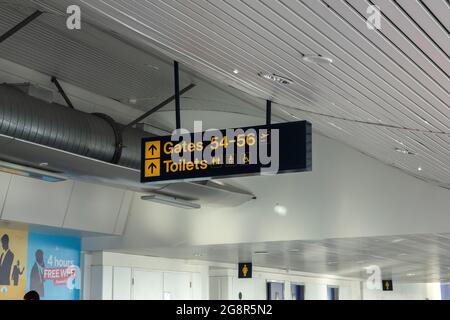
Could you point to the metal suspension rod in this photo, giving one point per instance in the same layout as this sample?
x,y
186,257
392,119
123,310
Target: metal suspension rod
x,y
268,112
61,91
177,95
20,25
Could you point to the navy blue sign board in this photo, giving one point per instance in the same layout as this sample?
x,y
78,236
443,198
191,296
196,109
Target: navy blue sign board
x,y
293,150
387,285
245,270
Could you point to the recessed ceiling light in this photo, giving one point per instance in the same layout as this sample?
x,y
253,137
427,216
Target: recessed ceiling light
x,y
404,151
280,210
235,71
261,252
132,100
43,164
419,168
397,240
334,125
410,274
317,59
152,66
275,77
339,128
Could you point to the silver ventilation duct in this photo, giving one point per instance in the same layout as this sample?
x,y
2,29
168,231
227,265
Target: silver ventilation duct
x,y
91,135
33,131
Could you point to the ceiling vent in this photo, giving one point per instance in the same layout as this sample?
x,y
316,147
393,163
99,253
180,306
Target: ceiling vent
x,y
275,78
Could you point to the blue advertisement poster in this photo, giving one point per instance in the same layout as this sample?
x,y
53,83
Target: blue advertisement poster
x,y
54,266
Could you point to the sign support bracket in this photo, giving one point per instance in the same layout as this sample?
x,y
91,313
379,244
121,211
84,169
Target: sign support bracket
x,y
177,94
268,112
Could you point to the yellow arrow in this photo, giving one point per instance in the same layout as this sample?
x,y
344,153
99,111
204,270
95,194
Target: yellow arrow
x,y
152,149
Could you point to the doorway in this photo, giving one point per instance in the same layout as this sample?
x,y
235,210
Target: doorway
x,y
298,291
275,290
333,293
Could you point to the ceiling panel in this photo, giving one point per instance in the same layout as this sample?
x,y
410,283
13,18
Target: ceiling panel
x,y
440,10
428,22
386,88
100,62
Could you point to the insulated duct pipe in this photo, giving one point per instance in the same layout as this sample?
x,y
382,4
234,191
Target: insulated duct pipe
x,y
53,125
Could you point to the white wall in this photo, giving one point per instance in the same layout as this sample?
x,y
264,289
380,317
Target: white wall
x,y
315,286
224,284
86,263
346,195
148,225
68,204
406,291
113,277
111,274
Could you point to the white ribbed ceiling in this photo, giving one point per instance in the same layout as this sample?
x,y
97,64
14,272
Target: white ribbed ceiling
x,y
420,258
386,89
96,60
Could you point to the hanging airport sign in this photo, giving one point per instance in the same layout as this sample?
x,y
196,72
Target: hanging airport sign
x,y
387,285
245,270
214,153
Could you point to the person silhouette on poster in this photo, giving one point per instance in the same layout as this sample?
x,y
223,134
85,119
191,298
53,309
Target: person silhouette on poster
x,y
6,261
37,273
16,273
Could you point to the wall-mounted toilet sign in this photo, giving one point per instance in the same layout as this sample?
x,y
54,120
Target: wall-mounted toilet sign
x,y
214,153
245,270
387,285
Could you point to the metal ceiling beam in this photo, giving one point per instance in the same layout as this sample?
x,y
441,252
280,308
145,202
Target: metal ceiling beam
x,y
20,25
159,106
